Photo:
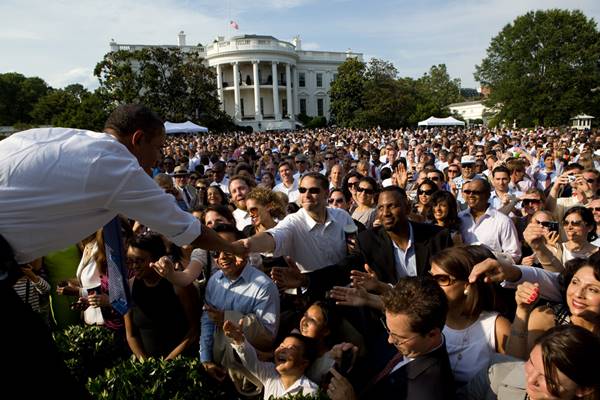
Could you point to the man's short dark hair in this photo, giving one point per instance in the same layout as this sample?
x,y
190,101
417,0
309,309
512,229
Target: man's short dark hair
x,y
227,228
323,182
152,243
128,118
422,300
500,168
396,190
309,351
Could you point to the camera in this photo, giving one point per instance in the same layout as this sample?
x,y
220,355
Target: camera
x,y
551,225
571,178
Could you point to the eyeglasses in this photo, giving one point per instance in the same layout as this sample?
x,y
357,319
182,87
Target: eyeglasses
x,y
352,184
365,190
335,201
573,223
398,341
526,202
453,171
312,190
443,280
425,192
435,178
473,192
329,158
200,187
596,209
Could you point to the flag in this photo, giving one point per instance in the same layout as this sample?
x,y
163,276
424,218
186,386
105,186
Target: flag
x,y
234,24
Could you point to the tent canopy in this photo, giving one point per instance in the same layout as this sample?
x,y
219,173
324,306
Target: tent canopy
x,y
448,121
183,127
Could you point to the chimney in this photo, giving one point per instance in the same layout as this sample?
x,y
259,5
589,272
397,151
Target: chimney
x,y
181,39
297,42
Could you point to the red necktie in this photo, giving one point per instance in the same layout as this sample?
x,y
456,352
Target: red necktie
x,y
388,368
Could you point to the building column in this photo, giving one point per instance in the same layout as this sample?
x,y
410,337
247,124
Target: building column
x,y
237,113
220,86
288,90
295,91
275,91
257,111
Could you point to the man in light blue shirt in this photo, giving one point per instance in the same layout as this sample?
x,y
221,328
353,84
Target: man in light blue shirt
x,y
236,291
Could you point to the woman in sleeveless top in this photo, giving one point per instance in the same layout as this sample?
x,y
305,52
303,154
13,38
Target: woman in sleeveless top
x,y
473,331
581,306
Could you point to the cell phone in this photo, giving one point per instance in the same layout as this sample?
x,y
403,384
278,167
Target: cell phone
x,y
345,363
551,225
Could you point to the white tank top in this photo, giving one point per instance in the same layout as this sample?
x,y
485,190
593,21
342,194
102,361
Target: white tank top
x,y
471,349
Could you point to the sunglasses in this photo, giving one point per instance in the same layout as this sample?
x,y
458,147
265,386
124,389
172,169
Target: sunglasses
x,y
530,201
590,180
365,190
573,223
300,162
467,165
216,254
329,158
201,187
312,190
335,201
352,184
454,171
425,192
473,192
435,178
443,280
596,209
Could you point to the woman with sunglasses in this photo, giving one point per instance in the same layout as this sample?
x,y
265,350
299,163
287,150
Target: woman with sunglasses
x,y
474,332
366,210
349,185
444,212
580,285
422,207
580,229
201,190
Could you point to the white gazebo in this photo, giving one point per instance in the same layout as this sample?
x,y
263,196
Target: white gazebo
x,y
183,127
448,121
582,122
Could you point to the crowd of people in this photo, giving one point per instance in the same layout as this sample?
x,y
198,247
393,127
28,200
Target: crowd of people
x,y
435,263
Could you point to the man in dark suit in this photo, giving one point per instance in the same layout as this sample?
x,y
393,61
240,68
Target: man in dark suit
x,y
395,249
415,314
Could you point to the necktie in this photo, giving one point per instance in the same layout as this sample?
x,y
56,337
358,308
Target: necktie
x,y
548,180
118,286
388,368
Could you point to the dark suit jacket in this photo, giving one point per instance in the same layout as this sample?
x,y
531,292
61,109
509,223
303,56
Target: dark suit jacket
x,y
428,377
375,248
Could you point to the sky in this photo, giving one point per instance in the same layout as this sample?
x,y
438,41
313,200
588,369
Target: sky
x,y
61,41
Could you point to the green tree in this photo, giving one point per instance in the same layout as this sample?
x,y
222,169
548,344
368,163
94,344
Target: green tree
x,y
18,94
436,90
541,68
347,91
74,107
177,85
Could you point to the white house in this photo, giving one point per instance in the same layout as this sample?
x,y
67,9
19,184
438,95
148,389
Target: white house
x,y
582,122
470,110
264,82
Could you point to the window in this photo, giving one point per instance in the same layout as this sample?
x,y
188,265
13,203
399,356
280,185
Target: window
x,y
262,106
242,106
303,106
320,107
319,79
301,79
284,107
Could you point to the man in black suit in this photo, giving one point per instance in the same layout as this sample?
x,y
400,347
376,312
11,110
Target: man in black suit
x,y
415,314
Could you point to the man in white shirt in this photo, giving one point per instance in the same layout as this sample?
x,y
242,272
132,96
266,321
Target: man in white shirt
x,y
288,184
239,186
482,224
57,186
218,175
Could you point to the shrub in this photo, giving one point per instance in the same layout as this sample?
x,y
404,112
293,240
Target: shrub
x,y
88,350
182,379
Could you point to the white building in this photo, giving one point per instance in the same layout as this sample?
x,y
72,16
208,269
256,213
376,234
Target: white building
x,y
264,82
582,122
469,110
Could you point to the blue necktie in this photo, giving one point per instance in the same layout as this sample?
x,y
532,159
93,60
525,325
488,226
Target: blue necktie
x,y
118,285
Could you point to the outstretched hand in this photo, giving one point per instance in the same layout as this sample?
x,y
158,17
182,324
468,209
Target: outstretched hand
x,y
164,266
234,331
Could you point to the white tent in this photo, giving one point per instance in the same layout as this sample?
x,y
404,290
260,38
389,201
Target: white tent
x,y
448,121
183,127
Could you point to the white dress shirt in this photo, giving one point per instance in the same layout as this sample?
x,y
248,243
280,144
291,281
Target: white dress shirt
x,y
292,192
59,185
312,245
242,219
493,229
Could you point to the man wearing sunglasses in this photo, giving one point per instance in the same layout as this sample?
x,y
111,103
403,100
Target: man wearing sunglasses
x,y
313,237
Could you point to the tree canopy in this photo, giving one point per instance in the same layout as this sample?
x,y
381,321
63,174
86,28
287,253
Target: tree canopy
x,y
18,94
542,68
177,85
367,95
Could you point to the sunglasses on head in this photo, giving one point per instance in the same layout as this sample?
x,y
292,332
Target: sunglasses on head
x,y
312,190
426,192
365,190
